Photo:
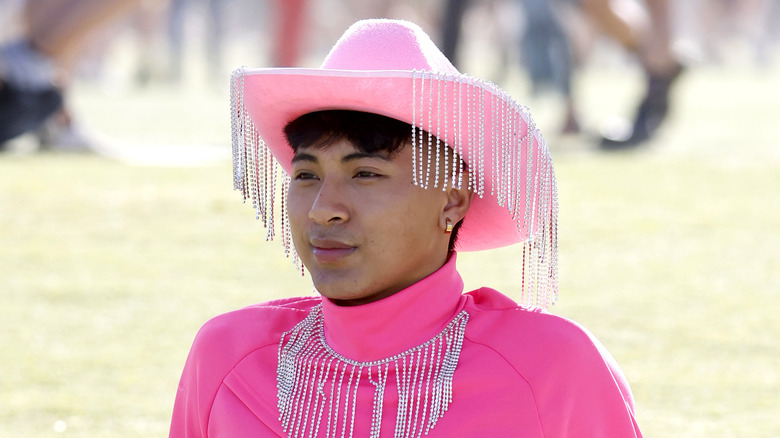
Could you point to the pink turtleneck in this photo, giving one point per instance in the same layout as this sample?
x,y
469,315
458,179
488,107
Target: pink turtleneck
x,y
521,372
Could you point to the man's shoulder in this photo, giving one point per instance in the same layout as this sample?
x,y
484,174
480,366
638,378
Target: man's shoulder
x,y
252,327
576,382
522,334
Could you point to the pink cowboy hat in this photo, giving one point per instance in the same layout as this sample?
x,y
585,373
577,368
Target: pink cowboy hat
x,y
392,68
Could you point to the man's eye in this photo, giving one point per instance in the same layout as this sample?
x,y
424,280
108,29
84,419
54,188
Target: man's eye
x,y
366,174
305,176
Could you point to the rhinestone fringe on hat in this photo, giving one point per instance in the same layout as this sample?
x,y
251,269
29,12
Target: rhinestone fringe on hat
x,y
256,173
319,390
476,114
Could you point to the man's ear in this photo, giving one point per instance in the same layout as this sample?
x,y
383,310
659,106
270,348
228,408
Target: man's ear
x,y
458,203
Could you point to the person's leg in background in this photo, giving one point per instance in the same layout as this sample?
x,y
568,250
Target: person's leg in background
x,y
546,54
451,28
650,41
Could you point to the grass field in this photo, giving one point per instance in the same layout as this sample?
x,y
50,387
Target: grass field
x,y
669,254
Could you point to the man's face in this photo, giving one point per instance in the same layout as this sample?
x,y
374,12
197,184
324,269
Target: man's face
x,y
362,228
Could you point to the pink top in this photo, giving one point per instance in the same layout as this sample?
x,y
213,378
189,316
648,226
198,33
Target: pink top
x,y
522,372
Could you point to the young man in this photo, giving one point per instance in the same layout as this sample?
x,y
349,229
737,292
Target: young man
x,y
393,161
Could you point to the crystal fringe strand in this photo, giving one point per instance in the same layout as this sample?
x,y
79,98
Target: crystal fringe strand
x,y
319,389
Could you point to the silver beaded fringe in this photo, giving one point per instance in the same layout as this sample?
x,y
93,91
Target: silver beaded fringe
x,y
446,106
256,173
318,389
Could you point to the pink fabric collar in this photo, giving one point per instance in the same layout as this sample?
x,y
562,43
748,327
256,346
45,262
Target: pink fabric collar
x,y
395,324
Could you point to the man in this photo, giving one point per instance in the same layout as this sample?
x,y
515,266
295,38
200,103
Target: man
x,y
394,161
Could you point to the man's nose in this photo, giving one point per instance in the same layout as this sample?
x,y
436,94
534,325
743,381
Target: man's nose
x,y
329,206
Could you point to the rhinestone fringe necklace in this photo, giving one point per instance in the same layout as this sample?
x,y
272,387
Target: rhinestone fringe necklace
x,y
318,388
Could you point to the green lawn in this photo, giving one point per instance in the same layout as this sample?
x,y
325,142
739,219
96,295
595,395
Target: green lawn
x,y
668,254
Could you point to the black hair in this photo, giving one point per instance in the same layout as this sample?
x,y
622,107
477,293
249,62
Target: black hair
x,y
368,132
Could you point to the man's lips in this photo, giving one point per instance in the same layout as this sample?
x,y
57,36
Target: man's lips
x,y
330,251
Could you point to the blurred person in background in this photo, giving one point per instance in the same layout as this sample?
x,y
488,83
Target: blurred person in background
x,y
547,56
35,68
289,32
288,24
37,64
215,24
452,22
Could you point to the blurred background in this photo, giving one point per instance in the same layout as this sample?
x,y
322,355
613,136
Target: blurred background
x,y
120,235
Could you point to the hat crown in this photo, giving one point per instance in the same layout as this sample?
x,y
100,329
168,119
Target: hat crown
x,y
382,44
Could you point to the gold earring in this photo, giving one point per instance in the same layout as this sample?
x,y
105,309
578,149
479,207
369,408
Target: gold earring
x,y
448,230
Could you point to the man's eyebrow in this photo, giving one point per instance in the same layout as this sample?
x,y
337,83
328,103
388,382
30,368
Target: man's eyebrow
x,y
359,155
303,156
